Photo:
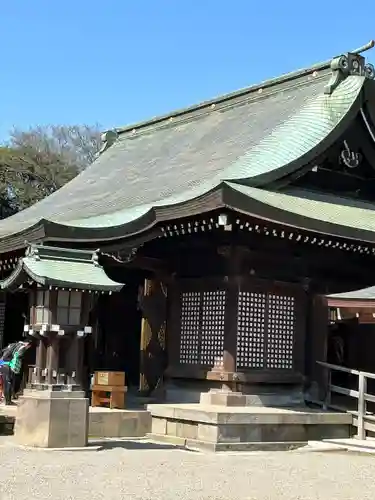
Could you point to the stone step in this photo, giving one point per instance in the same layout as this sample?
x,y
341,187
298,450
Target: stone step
x,y
346,444
221,428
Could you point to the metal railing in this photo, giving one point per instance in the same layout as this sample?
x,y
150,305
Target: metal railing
x,y
363,419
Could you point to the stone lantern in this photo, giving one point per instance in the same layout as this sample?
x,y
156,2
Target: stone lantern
x,y
62,285
59,322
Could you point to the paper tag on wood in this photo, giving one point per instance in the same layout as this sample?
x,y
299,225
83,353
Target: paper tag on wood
x,y
103,378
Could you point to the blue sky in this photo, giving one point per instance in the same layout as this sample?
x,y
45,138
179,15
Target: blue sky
x,y
120,61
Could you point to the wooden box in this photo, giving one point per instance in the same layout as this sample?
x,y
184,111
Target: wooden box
x,y
110,378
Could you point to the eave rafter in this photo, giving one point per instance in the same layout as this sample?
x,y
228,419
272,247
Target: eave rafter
x,y
270,229
163,221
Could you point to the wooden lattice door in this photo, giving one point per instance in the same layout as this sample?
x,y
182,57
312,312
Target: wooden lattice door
x,y
202,323
268,329
153,304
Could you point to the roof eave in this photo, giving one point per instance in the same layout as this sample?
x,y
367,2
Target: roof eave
x,y
23,273
18,276
243,203
224,195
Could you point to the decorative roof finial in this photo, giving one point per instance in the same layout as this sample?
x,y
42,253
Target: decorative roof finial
x,y
108,138
350,64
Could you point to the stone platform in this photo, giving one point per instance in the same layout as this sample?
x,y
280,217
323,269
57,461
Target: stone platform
x,y
52,419
225,428
103,422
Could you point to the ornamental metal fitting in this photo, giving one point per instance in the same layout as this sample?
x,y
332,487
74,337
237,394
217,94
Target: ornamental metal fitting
x,y
348,65
108,138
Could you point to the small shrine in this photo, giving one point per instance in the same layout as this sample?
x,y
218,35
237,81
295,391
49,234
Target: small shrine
x,y
62,287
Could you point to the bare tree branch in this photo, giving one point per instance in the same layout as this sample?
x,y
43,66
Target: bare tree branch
x,y
40,160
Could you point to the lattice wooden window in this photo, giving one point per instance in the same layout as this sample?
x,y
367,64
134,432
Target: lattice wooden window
x,y
190,323
251,329
42,312
69,307
213,322
281,325
265,330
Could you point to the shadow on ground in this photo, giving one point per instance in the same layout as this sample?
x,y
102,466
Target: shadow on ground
x,y
133,445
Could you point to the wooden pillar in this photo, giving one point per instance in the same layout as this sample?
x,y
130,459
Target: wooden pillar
x,y
52,360
75,354
80,361
234,264
318,333
230,333
40,361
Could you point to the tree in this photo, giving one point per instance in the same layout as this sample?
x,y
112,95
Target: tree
x,y
74,144
38,161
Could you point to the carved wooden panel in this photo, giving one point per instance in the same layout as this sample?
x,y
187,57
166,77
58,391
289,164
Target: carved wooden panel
x,y
266,325
213,323
153,304
251,329
281,326
190,325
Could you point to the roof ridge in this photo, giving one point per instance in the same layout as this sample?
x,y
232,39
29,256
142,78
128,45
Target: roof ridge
x,y
238,93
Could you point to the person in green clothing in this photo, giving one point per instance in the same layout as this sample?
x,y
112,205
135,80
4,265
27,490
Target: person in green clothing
x,y
10,369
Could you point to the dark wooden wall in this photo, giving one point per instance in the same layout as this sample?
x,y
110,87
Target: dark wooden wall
x,y
259,325
119,322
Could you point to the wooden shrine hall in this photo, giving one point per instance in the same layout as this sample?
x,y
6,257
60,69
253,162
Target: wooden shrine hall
x,y
220,230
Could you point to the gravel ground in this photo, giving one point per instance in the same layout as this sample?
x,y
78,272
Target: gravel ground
x,y
140,470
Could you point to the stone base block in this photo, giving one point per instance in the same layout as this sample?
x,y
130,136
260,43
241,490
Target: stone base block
x,y
106,423
217,397
103,422
256,395
52,419
235,428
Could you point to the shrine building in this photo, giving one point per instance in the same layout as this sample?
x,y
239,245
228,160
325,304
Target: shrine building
x,y
203,249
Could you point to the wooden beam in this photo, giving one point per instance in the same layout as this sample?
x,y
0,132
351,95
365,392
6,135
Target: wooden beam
x,y
138,263
147,264
351,304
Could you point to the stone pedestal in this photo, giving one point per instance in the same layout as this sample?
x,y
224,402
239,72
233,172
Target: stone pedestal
x,y
222,397
237,428
226,420
270,395
52,419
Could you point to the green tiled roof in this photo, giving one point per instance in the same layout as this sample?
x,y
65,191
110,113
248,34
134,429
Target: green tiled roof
x,y
250,138
65,268
170,161
288,142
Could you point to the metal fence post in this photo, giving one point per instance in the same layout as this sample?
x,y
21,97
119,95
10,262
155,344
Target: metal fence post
x,y
327,399
362,383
